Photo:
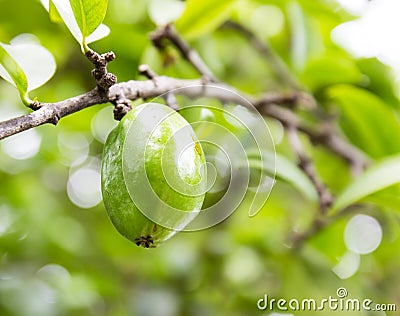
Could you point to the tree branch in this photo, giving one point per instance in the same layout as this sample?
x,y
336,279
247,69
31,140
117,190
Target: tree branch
x,y
318,136
266,103
169,33
305,164
339,146
121,94
195,88
130,90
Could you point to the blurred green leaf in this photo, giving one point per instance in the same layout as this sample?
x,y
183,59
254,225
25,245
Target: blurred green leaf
x,y
389,197
380,176
367,121
11,71
203,16
299,35
380,80
88,15
330,70
53,13
34,65
287,171
60,10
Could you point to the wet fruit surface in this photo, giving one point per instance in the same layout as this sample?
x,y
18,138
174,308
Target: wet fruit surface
x,y
153,175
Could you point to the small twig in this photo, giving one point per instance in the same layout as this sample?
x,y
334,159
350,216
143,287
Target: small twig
x,y
286,99
104,79
171,101
338,145
169,97
305,164
168,32
266,104
145,70
318,136
122,105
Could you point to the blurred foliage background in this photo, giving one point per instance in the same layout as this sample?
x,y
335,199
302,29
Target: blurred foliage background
x,y
59,253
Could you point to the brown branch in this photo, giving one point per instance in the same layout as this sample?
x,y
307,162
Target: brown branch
x,y
49,113
305,164
339,146
133,90
318,136
146,71
169,33
169,97
130,90
297,239
122,93
293,124
336,144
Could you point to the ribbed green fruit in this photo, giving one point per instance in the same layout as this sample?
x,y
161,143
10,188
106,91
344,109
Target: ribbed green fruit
x,y
152,164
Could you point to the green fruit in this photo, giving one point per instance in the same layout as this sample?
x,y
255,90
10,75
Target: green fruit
x,y
153,175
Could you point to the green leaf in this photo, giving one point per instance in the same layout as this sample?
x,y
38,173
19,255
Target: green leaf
x,y
88,14
300,37
389,198
61,10
287,171
14,72
330,70
25,64
367,121
381,80
203,16
53,13
384,174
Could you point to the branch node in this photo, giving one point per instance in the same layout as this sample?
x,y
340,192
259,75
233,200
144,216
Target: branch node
x,y
121,106
35,105
121,110
104,79
146,71
171,101
56,118
109,56
107,81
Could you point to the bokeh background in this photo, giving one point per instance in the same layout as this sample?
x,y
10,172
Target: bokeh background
x,y
59,253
